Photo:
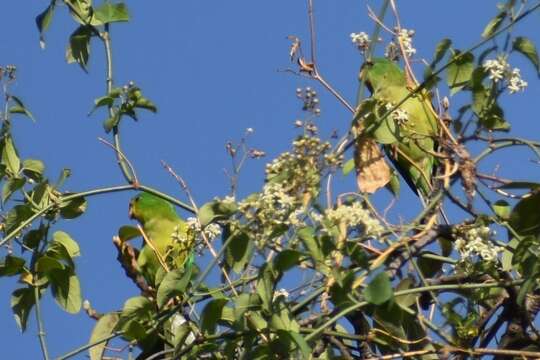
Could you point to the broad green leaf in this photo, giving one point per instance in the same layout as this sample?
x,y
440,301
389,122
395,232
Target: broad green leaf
x,y
112,121
406,301
104,327
128,232
348,167
502,209
66,289
266,284
73,208
80,10
243,303
287,259
11,266
102,101
67,242
108,13
79,46
173,284
138,307
525,217
526,47
16,216
307,235
19,108
239,251
43,21
144,103
10,158
10,186
46,264
429,266
33,169
211,314
459,72
379,290
440,51
494,24
299,340
22,301
216,210
282,319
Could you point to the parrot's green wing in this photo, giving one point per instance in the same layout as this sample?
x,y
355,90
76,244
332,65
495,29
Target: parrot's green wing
x,y
412,151
170,243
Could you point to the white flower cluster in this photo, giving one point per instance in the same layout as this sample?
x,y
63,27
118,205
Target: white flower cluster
x,y
476,241
355,215
399,115
275,196
211,231
515,82
361,40
405,38
499,69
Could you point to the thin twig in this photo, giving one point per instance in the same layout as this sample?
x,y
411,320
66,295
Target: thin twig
x,y
123,156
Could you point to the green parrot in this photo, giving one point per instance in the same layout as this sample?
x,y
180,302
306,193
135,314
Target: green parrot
x,y
167,233
410,132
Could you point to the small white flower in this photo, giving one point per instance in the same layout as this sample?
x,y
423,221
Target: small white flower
x,y
497,68
250,131
355,215
399,115
477,242
516,83
361,40
212,231
405,38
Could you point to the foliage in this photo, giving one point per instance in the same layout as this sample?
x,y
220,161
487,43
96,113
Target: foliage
x,y
307,273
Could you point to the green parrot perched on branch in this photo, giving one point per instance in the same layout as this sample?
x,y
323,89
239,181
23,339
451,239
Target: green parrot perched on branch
x,y
409,133
167,239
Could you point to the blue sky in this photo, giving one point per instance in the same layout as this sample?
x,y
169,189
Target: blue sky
x,y
213,69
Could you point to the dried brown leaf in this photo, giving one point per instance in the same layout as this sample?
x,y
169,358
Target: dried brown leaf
x,y
372,171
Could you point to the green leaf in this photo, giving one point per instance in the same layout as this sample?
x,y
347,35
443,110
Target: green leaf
x,y
22,301
11,266
348,167
66,289
459,72
429,266
16,216
10,186
526,47
138,307
33,169
80,10
502,209
173,284
109,13
43,21
307,235
266,284
379,290
73,208
287,259
239,251
112,121
104,327
216,210
46,264
299,340
494,24
144,103
62,238
10,158
102,101
128,232
79,46
525,217
406,301
440,50
211,314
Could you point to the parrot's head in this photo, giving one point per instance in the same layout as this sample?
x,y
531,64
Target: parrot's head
x,y
380,72
145,206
